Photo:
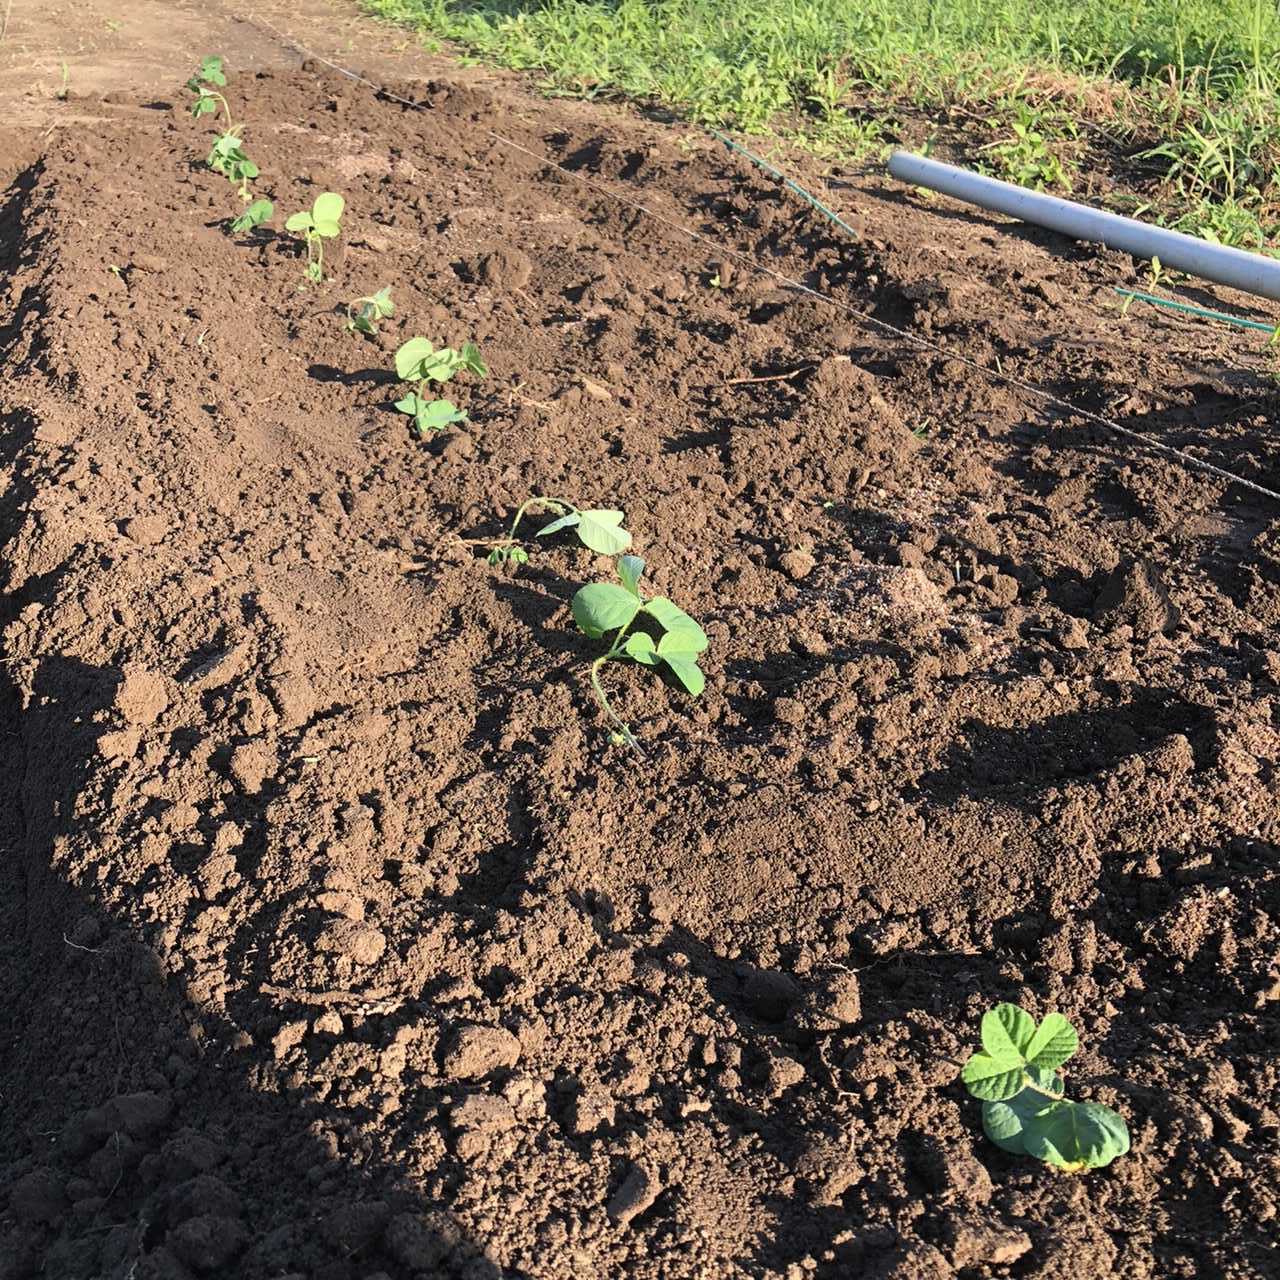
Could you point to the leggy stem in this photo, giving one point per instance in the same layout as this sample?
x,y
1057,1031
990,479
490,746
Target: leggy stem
x,y
537,502
226,109
615,648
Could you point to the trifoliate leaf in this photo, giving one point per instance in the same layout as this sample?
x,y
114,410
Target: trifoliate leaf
x,y
1076,1135
630,569
1006,1032
1054,1042
603,606
640,647
601,531
328,207
992,1079
410,356
202,107
686,670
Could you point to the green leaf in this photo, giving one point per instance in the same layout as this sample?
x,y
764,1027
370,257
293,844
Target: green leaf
x,y
565,522
992,1079
323,226
437,415
686,670
382,304
410,356
1076,1135
602,532
470,360
410,404
440,365
674,619
328,207
211,70
1007,1031
630,569
255,215
682,642
202,106
1054,1042
298,222
603,606
1005,1122
640,647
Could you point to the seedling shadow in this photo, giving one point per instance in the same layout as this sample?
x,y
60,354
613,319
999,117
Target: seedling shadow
x,y
1019,763
354,378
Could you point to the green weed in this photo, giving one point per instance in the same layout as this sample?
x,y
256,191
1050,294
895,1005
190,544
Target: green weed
x,y
599,530
602,607
421,363
1027,158
1190,81
1017,1076
323,221
364,313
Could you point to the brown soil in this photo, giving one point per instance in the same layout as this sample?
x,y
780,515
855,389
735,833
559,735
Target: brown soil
x,y
340,943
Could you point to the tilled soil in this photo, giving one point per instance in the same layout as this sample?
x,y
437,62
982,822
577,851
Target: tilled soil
x,y
342,944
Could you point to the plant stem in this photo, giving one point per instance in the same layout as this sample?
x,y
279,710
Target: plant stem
x,y
533,502
226,109
614,649
624,729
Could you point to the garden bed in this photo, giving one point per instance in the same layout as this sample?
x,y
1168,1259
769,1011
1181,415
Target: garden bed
x,y
352,946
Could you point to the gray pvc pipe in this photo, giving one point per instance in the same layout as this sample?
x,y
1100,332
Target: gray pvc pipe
x,y
1235,267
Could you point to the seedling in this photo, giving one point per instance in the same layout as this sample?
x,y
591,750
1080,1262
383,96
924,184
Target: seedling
x,y
419,362
600,530
255,215
323,221
606,606
364,313
227,155
1017,1076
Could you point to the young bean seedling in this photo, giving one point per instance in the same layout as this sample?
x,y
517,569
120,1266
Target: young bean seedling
x,y
419,362
364,313
599,530
323,221
1017,1076
227,155
602,607
255,215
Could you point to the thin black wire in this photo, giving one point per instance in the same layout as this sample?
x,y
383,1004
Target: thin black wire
x,y
863,317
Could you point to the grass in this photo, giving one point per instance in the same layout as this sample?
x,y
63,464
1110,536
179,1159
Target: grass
x,y
1187,87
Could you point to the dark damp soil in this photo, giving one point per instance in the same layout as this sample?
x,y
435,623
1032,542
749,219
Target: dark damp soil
x,y
342,944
